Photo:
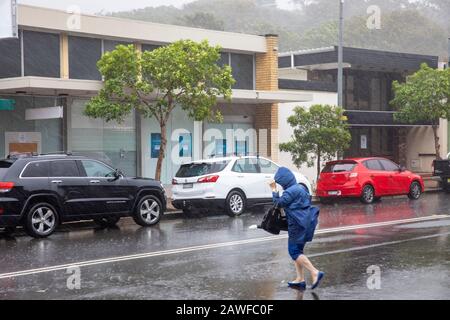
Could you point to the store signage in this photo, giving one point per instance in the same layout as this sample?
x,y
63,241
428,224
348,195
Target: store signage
x,y
155,145
44,113
7,104
363,142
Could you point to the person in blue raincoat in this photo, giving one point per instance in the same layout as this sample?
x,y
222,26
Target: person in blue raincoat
x,y
302,221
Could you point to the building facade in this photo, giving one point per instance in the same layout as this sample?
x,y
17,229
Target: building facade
x,y
49,73
368,78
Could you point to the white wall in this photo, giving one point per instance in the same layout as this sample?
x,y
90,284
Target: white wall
x,y
420,147
285,131
178,120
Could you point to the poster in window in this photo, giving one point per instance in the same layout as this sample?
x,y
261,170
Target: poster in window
x,y
155,145
185,141
363,142
241,148
221,147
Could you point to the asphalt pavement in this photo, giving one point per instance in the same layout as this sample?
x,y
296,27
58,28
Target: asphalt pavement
x,y
394,249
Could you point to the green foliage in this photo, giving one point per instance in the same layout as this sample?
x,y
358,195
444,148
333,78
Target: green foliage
x,y
319,134
184,73
205,20
408,26
425,96
400,31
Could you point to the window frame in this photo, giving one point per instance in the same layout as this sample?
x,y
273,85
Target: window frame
x,y
32,162
83,170
391,162
50,171
272,164
258,169
379,162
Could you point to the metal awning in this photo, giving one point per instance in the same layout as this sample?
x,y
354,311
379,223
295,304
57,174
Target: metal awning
x,y
89,88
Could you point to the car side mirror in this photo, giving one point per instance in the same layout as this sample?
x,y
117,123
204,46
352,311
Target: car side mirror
x,y
402,169
118,174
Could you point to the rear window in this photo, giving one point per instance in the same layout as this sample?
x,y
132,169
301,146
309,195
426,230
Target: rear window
x,y
36,170
4,166
200,169
339,167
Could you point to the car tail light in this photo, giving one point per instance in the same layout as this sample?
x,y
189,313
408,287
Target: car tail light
x,y
353,175
6,186
208,179
174,182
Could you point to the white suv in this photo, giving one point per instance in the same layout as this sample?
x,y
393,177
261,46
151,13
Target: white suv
x,y
233,184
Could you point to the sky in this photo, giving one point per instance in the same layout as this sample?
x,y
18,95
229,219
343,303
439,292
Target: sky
x,y
95,6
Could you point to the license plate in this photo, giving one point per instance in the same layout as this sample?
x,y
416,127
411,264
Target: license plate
x,y
334,193
188,186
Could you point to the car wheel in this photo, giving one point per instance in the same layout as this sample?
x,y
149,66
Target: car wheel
x,y
368,195
324,200
41,220
148,211
107,222
235,203
415,191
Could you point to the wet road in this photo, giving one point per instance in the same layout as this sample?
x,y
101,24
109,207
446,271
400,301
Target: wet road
x,y
216,257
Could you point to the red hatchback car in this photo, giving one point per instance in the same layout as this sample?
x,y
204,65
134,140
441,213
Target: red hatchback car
x,y
368,179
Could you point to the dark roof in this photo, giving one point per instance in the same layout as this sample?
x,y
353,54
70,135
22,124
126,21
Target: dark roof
x,y
364,59
288,84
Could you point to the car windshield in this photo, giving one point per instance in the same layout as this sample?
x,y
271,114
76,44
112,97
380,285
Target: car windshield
x,y
339,167
200,169
4,166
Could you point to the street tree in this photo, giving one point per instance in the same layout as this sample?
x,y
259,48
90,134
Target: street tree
x,y
425,96
319,134
183,74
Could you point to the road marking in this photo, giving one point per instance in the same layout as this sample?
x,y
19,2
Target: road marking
x,y
376,245
209,246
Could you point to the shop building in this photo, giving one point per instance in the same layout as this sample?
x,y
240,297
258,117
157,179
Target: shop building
x,y
368,78
49,73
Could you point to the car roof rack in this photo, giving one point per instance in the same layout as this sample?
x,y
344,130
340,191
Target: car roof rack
x,y
235,154
55,154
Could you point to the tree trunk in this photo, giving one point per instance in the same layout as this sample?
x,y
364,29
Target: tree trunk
x,y
437,146
318,164
162,151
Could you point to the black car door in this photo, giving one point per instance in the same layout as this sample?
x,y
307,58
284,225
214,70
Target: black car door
x,y
108,193
66,181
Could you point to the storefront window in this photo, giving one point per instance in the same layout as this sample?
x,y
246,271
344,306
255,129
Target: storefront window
x,y
111,142
32,126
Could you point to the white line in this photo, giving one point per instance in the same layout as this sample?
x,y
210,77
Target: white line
x,y
370,246
206,247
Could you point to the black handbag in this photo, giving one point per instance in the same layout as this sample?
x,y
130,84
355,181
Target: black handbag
x,y
274,221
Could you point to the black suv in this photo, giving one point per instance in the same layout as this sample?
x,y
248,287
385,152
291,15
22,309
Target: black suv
x,y
40,192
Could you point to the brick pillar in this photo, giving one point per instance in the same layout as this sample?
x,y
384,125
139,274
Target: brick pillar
x,y
266,116
64,56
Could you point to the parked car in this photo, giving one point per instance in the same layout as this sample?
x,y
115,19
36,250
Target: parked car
x,y
368,179
233,184
441,168
40,192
